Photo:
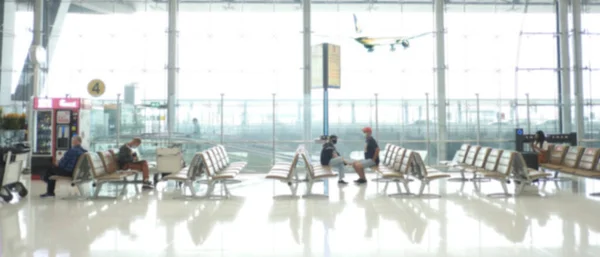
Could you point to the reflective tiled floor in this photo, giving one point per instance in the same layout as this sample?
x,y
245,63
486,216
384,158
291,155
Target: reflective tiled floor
x,y
354,221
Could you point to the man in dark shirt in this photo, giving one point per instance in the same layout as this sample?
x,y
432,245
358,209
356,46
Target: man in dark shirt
x,y
128,159
371,156
65,167
331,157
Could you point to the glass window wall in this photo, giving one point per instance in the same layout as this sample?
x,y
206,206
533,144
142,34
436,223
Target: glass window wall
x,y
234,57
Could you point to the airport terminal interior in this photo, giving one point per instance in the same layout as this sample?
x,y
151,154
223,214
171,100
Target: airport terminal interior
x,y
218,128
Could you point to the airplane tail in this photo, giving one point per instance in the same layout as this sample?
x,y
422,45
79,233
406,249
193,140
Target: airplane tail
x,y
357,28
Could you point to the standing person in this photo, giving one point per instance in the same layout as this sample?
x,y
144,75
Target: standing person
x,y
331,157
196,134
371,156
65,167
128,159
540,146
196,128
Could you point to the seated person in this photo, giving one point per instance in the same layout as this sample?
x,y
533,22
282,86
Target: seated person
x,y
331,157
540,146
371,156
128,159
65,167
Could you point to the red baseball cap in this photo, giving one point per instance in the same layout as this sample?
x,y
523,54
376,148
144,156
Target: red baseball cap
x,y
367,130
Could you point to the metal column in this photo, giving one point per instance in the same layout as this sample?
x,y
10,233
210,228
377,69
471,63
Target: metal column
x,y
427,126
118,123
222,112
478,120
528,105
274,128
38,22
307,51
172,66
376,115
577,66
441,78
563,13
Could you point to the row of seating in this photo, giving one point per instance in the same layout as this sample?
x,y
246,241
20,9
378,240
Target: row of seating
x,y
573,160
101,168
212,167
495,164
401,165
286,172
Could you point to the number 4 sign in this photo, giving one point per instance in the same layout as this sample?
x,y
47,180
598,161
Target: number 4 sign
x,y
96,88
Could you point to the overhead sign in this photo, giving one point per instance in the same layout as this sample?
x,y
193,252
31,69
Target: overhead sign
x,y
155,104
56,103
42,103
333,66
317,66
96,88
326,69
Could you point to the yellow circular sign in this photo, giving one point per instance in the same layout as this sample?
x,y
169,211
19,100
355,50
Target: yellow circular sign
x,y
96,88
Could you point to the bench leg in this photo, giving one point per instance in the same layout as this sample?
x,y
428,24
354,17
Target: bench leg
x,y
520,187
504,188
188,184
211,188
78,196
425,183
462,177
224,186
556,178
98,188
401,194
309,193
387,182
292,185
385,187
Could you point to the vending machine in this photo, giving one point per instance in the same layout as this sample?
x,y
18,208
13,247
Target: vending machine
x,y
58,120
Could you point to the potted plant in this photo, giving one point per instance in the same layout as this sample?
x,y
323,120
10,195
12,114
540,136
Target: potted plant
x,y
12,126
13,121
22,121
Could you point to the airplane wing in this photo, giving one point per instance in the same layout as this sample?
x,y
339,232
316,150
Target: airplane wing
x,y
419,35
400,38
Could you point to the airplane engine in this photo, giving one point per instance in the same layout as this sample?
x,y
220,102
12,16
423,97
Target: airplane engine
x,y
405,43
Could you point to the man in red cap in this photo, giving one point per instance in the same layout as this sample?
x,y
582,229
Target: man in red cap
x,y
371,156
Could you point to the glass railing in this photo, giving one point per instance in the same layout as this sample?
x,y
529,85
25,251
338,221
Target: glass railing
x,y
261,133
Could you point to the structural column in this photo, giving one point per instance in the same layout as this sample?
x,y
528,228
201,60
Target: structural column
x,y
8,9
577,67
307,51
441,79
172,65
565,71
38,22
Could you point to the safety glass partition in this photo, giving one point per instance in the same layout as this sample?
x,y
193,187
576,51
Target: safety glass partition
x,y
590,23
502,66
18,72
288,128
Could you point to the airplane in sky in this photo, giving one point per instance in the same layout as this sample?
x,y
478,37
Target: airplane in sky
x,y
371,42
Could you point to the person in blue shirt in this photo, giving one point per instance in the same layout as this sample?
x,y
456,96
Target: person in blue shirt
x,y
65,167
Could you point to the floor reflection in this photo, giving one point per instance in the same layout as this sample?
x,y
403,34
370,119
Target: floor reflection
x,y
353,221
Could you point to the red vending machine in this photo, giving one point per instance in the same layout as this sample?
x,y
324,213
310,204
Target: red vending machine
x,y
58,120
